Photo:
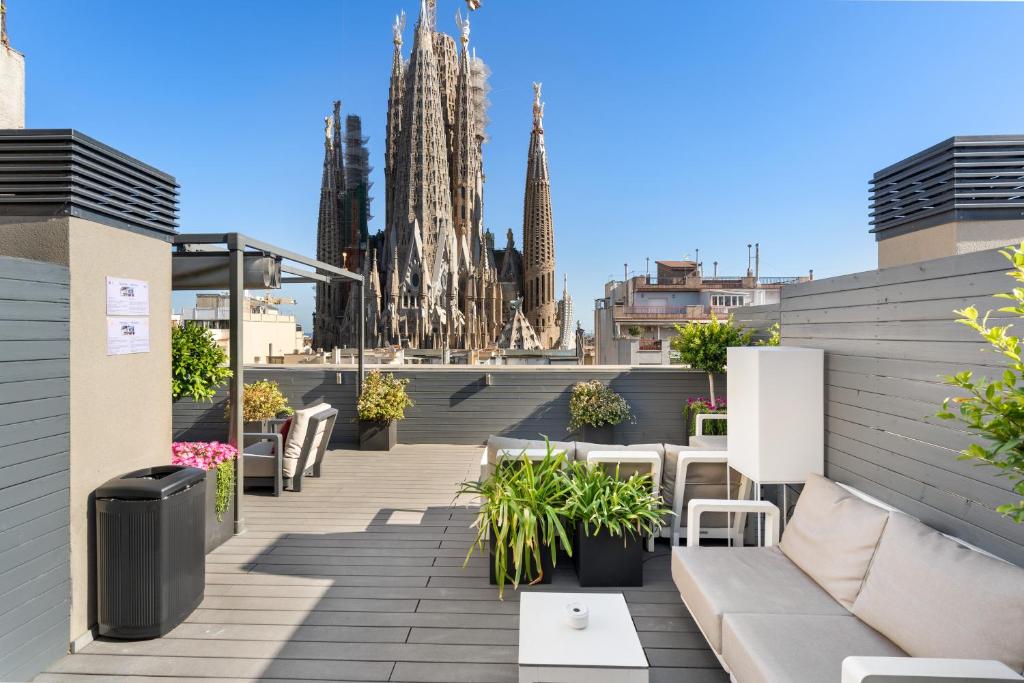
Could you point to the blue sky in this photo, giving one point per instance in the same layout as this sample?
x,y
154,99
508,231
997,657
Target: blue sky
x,y
670,126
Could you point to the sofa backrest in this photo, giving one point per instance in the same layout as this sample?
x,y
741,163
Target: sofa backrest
x,y
934,597
495,444
832,537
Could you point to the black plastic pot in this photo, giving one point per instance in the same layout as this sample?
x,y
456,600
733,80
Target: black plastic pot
x,y
217,532
546,566
605,560
378,436
602,434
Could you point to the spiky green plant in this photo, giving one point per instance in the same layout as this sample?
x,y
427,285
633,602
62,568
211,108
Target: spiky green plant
x,y
599,499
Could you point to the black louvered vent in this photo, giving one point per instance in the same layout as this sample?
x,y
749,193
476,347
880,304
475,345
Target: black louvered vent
x,y
963,178
66,173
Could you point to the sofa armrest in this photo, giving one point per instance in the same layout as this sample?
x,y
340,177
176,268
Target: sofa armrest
x,y
486,467
698,506
924,670
701,418
278,455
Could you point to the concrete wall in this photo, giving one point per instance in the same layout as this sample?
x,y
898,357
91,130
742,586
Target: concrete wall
x,y
455,405
120,405
948,239
35,580
12,88
889,337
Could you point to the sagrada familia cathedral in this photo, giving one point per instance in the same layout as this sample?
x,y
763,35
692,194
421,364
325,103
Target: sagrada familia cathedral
x,y
434,278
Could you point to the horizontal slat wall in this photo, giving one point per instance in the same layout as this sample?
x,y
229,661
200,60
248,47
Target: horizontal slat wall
x,y
757,319
34,476
456,406
889,338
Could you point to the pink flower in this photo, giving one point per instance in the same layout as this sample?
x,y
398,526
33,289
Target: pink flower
x,y
201,454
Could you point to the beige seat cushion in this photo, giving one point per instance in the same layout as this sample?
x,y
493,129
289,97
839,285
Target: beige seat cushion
x,y
260,460
714,581
297,437
832,537
797,648
703,480
936,598
513,445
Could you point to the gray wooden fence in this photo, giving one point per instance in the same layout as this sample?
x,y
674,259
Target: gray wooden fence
x,y
457,405
34,477
889,338
758,319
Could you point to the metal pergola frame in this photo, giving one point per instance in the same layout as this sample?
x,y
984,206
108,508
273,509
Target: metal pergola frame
x,y
236,245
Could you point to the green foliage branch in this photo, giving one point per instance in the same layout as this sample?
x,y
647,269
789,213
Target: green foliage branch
x,y
198,364
704,346
592,404
383,398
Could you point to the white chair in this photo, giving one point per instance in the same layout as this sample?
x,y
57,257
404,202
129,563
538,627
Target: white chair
x,y
708,441
271,460
703,474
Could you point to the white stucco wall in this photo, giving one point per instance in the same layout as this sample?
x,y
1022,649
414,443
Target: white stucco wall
x,y
12,88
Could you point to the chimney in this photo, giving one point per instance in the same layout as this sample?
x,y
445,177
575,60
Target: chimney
x,y
716,270
749,271
757,260
811,274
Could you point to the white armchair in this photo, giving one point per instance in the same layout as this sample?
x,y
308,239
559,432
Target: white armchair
x,y
686,487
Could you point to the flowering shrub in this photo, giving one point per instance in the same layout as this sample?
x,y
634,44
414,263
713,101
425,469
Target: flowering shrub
x,y
592,404
383,398
699,406
261,400
208,456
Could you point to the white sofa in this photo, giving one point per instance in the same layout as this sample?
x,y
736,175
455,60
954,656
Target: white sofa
x,y
852,592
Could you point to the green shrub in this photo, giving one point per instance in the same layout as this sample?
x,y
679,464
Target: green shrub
x,y
383,398
600,500
592,404
994,409
261,400
704,346
198,364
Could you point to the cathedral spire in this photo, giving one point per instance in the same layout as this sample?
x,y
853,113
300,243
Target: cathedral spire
x,y
538,235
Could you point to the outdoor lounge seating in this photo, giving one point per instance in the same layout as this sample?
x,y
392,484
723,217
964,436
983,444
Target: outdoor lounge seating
x,y
700,474
853,580
272,460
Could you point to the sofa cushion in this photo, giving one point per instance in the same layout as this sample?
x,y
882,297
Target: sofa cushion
x,y
260,459
513,445
715,581
797,648
297,437
936,598
703,480
832,537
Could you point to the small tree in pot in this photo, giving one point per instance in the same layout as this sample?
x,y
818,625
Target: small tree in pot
x,y
595,409
261,401
705,346
381,405
522,516
613,516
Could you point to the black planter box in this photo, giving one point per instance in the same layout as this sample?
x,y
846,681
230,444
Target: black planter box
x,y
545,564
378,436
605,560
602,434
217,531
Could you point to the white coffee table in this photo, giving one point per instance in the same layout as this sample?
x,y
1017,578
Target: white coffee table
x,y
551,651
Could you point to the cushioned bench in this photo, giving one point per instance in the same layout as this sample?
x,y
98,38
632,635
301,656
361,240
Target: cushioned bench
x,y
851,579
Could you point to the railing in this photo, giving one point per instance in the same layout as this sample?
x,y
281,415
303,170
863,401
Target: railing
x,y
670,312
650,345
779,280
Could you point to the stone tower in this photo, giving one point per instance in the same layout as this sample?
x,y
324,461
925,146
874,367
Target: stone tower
x,y
329,305
539,236
566,324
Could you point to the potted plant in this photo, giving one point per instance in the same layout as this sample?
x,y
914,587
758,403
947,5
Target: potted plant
x,y
218,460
704,406
198,364
704,346
594,410
382,404
613,516
522,517
261,401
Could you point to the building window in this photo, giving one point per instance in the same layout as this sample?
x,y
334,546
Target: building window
x,y
727,300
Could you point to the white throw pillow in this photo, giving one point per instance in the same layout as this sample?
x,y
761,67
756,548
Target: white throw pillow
x,y
297,436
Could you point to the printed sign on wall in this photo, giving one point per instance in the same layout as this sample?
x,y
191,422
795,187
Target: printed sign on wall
x,y
127,335
127,297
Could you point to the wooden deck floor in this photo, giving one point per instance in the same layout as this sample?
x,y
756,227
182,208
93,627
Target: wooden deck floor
x,y
359,578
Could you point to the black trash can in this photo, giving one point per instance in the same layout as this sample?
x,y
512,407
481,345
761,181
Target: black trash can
x,y
150,550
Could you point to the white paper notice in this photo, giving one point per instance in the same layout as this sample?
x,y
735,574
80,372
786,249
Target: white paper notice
x,y
127,335
127,297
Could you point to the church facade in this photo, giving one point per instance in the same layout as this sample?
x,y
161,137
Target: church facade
x,y
435,278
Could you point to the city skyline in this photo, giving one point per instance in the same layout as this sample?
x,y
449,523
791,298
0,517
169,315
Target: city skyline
x,y
691,127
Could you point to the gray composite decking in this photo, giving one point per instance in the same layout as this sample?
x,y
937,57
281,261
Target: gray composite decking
x,y
359,578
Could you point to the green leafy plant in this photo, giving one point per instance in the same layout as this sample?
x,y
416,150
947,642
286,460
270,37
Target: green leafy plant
x,y
261,401
225,487
522,509
198,365
994,408
701,406
774,336
592,404
600,500
704,346
383,398
635,330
